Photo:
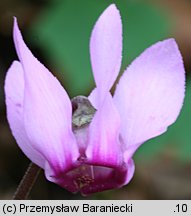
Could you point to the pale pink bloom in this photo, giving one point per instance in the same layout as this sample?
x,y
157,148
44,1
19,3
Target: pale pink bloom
x,y
97,157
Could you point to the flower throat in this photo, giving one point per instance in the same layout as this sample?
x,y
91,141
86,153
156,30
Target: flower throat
x,y
82,112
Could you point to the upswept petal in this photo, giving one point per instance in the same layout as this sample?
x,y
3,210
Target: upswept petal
x,y
103,145
150,93
106,48
47,110
14,93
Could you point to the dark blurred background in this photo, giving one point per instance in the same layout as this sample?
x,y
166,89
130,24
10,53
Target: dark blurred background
x,y
58,32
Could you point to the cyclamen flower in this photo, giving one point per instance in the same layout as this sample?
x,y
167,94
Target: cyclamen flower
x,y
89,148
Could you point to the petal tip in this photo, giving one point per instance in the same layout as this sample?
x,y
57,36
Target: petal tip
x,y
112,9
15,19
15,24
17,37
170,43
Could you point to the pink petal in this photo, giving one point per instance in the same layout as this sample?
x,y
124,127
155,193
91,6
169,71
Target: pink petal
x,y
150,93
106,49
14,92
93,98
47,110
104,146
130,171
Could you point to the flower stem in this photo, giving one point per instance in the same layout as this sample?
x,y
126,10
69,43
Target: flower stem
x,y
27,182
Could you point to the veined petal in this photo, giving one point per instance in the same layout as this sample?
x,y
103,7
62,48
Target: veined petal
x,y
47,110
14,93
106,49
150,93
103,145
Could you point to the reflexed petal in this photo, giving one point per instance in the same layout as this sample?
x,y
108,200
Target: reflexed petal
x,y
150,93
104,146
14,92
47,110
106,49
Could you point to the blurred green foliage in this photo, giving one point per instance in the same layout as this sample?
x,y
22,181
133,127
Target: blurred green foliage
x,y
63,31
